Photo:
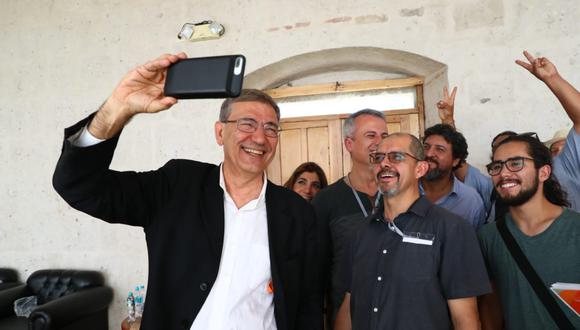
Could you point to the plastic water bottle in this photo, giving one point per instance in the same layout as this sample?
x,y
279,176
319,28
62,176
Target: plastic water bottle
x,y
139,300
131,306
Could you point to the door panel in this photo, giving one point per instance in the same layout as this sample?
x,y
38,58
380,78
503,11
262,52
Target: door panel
x,y
318,150
291,151
321,141
303,141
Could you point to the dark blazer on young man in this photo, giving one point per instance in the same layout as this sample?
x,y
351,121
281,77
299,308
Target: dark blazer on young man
x,y
181,208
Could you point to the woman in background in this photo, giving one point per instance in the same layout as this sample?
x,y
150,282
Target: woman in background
x,y
307,180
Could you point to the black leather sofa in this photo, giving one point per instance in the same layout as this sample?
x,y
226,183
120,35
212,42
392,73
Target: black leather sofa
x,y
8,278
67,300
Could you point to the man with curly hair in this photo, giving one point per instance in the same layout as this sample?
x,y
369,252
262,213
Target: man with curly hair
x,y
445,150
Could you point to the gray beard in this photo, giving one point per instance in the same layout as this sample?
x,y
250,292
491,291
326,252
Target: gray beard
x,y
390,192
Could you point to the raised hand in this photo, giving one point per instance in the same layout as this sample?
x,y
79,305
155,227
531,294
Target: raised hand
x,y
540,67
141,90
446,107
568,96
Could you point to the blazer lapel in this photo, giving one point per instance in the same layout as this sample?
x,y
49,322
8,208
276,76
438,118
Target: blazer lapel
x,y
212,210
279,224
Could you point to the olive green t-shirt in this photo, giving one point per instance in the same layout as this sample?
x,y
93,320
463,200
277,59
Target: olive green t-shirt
x,y
554,254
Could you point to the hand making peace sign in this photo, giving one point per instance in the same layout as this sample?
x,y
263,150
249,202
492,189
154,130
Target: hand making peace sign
x,y
446,106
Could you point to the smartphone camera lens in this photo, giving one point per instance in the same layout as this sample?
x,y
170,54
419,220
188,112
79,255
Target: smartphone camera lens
x,y
238,65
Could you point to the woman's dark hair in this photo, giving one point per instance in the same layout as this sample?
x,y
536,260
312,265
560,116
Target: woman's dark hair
x,y
307,167
541,155
453,137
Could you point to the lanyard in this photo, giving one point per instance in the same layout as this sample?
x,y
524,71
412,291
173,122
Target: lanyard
x,y
395,229
414,238
360,204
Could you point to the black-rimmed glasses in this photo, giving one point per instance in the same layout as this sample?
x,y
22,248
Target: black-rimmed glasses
x,y
395,157
514,164
249,125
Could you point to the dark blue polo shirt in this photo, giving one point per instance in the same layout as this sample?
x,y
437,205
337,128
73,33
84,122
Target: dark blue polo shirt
x,y
403,285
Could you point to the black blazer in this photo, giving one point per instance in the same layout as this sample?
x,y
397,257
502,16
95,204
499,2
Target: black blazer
x,y
180,206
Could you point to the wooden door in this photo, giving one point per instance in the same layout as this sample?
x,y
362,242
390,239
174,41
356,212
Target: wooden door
x,y
301,141
320,140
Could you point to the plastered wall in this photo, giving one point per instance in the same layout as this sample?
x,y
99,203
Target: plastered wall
x,y
60,59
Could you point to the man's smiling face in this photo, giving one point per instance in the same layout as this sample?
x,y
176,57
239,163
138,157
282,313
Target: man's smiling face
x,y
249,153
439,154
515,188
403,172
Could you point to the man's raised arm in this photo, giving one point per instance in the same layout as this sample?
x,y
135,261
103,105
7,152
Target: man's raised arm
x,y
140,91
546,71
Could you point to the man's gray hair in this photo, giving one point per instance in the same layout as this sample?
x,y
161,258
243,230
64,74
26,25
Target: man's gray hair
x,y
248,95
348,128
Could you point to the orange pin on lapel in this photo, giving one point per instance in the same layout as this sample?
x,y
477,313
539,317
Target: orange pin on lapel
x,y
270,287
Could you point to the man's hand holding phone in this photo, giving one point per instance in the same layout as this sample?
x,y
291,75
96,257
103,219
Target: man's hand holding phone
x,y
156,85
140,91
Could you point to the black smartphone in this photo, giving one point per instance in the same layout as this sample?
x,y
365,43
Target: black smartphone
x,y
206,77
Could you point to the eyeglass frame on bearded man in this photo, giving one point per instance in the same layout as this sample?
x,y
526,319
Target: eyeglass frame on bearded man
x,y
394,157
509,163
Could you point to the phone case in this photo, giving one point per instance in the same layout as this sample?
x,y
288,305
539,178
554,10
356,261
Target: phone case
x,y
206,77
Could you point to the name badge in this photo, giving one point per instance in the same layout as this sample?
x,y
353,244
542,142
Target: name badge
x,y
418,238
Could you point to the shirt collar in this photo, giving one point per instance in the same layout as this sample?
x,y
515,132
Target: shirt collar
x,y
419,207
252,204
456,184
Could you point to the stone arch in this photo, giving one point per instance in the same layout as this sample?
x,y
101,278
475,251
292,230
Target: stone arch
x,y
356,59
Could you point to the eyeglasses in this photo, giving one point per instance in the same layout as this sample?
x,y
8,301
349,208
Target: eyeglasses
x,y
394,157
249,125
514,164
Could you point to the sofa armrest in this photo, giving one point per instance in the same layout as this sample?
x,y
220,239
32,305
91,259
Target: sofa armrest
x,y
7,298
65,310
8,275
8,285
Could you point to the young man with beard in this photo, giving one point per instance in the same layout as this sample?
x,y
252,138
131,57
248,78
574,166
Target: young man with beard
x,y
414,265
565,148
342,207
446,150
547,232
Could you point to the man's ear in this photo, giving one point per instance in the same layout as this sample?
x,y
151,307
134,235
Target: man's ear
x,y
544,173
348,144
219,132
421,169
455,162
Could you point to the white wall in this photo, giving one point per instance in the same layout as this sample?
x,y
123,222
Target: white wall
x,y
61,59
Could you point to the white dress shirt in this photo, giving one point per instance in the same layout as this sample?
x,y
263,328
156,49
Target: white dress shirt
x,y
241,297
84,138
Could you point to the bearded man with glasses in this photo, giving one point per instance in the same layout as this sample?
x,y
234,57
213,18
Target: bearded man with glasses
x,y
546,230
226,246
566,153
413,265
